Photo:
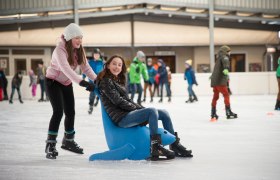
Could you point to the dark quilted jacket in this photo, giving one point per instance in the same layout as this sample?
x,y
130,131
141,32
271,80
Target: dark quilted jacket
x,y
218,78
115,99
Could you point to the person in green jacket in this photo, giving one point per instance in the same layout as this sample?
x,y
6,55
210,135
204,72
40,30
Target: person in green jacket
x,y
219,79
137,69
277,106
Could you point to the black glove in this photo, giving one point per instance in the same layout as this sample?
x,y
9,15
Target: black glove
x,y
87,85
84,83
90,87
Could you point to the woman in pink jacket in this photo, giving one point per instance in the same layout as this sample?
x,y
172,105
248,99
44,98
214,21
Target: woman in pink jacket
x,y
66,57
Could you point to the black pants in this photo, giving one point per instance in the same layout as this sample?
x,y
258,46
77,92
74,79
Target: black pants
x,y
62,100
13,92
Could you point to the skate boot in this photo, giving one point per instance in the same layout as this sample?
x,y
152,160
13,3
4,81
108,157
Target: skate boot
x,y
160,101
50,149
11,101
21,101
179,149
190,100
214,116
277,106
69,144
90,109
151,100
230,114
195,98
144,100
169,99
97,100
157,150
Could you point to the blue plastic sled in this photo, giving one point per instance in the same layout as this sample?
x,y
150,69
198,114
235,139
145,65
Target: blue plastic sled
x,y
127,143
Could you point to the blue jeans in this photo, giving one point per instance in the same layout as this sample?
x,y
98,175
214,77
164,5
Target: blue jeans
x,y
92,97
167,89
13,91
139,89
190,90
151,115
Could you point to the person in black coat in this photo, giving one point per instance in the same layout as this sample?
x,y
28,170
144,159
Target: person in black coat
x,y
163,80
125,113
3,84
16,83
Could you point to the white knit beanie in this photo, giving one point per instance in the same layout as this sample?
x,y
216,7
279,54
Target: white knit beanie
x,y
71,31
140,54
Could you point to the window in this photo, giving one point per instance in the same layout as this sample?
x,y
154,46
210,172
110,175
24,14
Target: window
x,y
20,65
237,63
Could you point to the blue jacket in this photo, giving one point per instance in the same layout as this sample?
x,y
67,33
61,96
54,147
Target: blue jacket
x,y
163,76
152,73
96,65
189,76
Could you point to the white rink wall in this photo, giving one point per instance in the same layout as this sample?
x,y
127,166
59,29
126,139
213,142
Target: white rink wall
x,y
251,83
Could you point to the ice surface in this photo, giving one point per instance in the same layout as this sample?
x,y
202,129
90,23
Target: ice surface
x,y
241,149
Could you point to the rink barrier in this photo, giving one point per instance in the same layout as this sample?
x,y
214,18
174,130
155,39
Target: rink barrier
x,y
245,83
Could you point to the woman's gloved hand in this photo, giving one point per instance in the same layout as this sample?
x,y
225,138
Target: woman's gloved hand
x,y
87,85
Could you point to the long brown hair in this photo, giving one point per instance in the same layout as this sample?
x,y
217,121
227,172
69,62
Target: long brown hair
x,y
80,52
121,78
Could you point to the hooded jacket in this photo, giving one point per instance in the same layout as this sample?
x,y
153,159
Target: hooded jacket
x,y
96,65
16,81
137,68
218,78
61,71
189,76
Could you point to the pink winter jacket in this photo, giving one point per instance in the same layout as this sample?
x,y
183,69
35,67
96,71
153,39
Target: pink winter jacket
x,y
61,71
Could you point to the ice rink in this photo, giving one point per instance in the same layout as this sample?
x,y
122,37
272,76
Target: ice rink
x,y
247,148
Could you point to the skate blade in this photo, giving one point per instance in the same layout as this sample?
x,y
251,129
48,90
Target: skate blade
x,y
184,155
71,150
213,120
48,156
160,158
232,117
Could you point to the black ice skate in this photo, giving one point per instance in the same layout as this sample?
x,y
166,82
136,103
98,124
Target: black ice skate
x,y
195,98
179,149
230,114
169,99
190,100
50,149
90,109
214,116
69,144
96,101
158,152
160,101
